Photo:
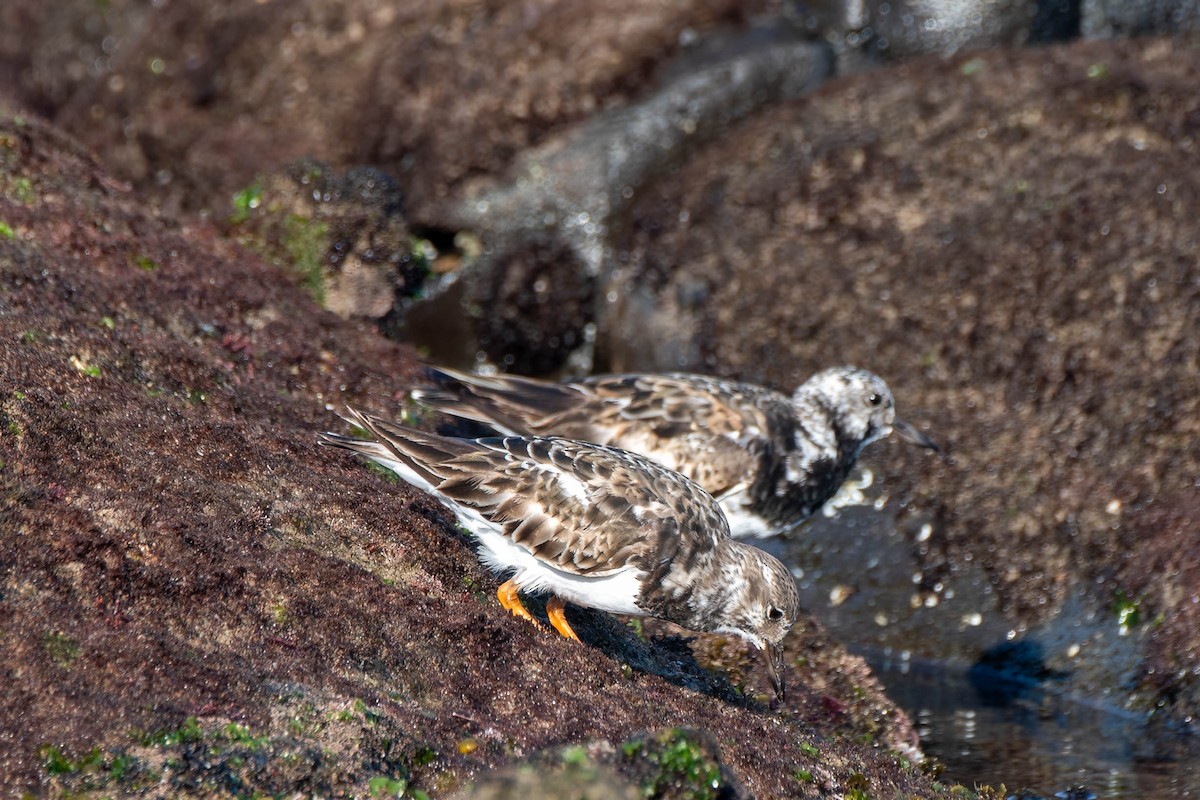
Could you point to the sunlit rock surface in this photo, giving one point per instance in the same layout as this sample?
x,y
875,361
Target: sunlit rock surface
x,y
198,600
1007,235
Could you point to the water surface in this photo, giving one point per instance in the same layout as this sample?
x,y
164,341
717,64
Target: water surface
x,y
995,703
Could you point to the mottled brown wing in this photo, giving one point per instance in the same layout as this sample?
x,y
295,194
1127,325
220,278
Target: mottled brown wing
x,y
599,408
710,430
582,508
511,404
670,405
579,507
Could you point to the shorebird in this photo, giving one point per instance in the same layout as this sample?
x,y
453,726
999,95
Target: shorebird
x,y
770,460
595,526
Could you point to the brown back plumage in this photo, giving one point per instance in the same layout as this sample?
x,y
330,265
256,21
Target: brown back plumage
x,y
579,507
714,432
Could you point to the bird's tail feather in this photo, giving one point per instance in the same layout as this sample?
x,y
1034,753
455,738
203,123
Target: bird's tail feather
x,y
420,452
509,403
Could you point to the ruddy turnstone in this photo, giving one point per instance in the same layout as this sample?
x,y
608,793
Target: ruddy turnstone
x,y
595,526
770,460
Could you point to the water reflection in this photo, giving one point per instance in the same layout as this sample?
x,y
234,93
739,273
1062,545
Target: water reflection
x,y
1039,740
997,704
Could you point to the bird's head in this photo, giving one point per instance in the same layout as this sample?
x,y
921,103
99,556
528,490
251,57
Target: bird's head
x,y
859,405
763,607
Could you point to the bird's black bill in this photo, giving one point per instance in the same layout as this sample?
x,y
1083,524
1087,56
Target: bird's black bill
x,y
913,436
773,653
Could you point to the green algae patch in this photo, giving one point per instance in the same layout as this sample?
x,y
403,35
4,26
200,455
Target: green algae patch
x,y
306,241
676,763
62,649
282,230
246,202
145,263
235,759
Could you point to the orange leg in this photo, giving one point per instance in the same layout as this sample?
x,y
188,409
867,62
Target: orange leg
x,y
511,602
554,610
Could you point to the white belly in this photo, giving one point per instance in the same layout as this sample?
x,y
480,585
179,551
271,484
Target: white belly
x,y
616,592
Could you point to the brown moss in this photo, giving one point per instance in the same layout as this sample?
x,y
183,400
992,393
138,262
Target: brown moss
x,y
348,82
179,556
1009,238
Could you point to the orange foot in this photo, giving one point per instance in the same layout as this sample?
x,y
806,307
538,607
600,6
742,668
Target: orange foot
x,y
511,602
554,610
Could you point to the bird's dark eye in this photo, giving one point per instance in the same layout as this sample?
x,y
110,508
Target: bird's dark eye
x,y
774,613
874,399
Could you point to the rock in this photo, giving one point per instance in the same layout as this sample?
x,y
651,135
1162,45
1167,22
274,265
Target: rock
x,y
570,783
549,226
435,93
199,600
1109,18
904,28
1005,236
343,235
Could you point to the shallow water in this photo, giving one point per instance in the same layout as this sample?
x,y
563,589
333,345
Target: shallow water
x,y
1044,741
1047,731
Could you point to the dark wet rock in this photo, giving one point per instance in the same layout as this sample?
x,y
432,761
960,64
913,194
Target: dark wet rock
x,y
532,305
1055,21
1009,671
549,224
1006,236
199,600
904,28
1107,18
